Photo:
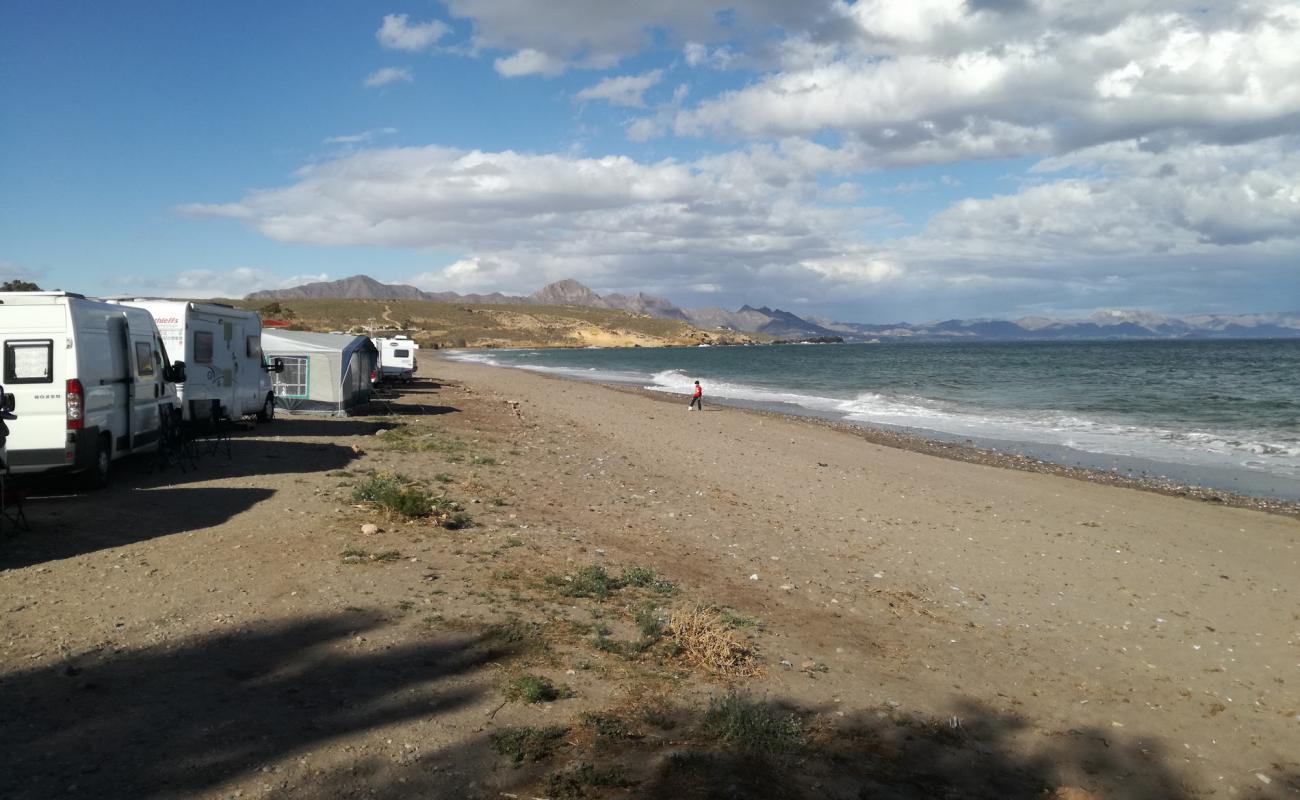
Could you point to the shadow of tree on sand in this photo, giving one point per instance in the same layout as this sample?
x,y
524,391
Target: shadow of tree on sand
x,y
170,721
874,754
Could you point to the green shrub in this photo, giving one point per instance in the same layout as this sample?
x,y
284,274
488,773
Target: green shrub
x,y
527,743
398,496
457,521
646,578
535,689
750,726
608,726
572,784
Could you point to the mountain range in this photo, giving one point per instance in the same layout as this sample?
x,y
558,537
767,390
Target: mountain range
x,y
1109,324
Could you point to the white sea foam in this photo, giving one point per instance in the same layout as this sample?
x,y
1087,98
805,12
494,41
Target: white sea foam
x,y
1279,455
473,357
1272,452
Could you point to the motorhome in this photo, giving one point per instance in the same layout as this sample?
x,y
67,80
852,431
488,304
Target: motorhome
x,y
92,379
396,358
222,350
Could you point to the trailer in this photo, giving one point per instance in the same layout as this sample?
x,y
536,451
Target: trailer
x,y
397,360
93,380
222,349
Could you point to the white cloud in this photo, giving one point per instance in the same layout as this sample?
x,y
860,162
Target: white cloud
x,y
597,34
525,219
205,283
389,75
699,55
933,81
623,90
364,137
695,53
529,62
396,33
1103,225
644,129
474,274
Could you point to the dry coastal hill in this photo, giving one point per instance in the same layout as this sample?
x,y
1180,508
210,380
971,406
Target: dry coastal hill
x,y
461,324
765,323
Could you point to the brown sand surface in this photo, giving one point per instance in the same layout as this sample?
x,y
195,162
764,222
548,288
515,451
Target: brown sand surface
x,y
936,628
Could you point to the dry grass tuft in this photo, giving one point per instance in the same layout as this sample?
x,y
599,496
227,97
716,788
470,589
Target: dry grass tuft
x,y
707,641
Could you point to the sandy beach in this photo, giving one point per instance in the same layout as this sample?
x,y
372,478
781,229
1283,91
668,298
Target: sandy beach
x,y
936,628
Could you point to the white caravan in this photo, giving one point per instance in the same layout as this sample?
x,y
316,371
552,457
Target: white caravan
x,y
397,358
222,350
92,380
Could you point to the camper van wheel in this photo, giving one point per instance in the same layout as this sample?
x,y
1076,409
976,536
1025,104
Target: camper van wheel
x,y
268,410
96,475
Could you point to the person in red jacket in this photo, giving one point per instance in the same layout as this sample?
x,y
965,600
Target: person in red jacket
x,y
697,401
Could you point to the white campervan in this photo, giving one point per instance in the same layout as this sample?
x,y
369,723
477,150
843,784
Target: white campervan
x,y
397,358
222,350
92,379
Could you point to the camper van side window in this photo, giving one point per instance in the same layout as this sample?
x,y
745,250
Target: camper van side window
x,y
253,347
401,354
202,347
143,360
293,381
29,362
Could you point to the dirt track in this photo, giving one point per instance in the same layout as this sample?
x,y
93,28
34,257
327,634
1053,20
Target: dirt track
x,y
941,629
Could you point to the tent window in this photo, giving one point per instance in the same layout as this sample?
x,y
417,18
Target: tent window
x,y
293,381
29,362
202,347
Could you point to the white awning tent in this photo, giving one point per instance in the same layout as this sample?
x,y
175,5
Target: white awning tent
x,y
324,373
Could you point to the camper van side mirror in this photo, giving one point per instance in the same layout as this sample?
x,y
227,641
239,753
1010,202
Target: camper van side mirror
x,y
175,373
276,365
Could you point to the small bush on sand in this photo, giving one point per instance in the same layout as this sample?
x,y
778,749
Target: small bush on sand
x,y
595,581
704,639
571,784
534,689
400,497
527,743
608,726
755,727
395,494
591,581
457,520
515,632
646,578
421,439
354,556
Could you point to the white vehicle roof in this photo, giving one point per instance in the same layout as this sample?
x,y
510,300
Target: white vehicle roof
x,y
173,305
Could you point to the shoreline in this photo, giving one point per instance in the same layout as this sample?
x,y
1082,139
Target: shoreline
x,y
969,453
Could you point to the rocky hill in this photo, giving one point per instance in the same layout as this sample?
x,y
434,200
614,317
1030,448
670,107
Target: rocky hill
x,y
461,324
776,323
358,287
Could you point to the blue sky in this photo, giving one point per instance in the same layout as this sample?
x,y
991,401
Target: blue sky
x,y
867,161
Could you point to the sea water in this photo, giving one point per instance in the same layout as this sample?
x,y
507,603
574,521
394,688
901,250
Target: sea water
x,y
1224,414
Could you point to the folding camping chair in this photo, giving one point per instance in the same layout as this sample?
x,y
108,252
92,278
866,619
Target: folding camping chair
x,y
176,447
216,431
